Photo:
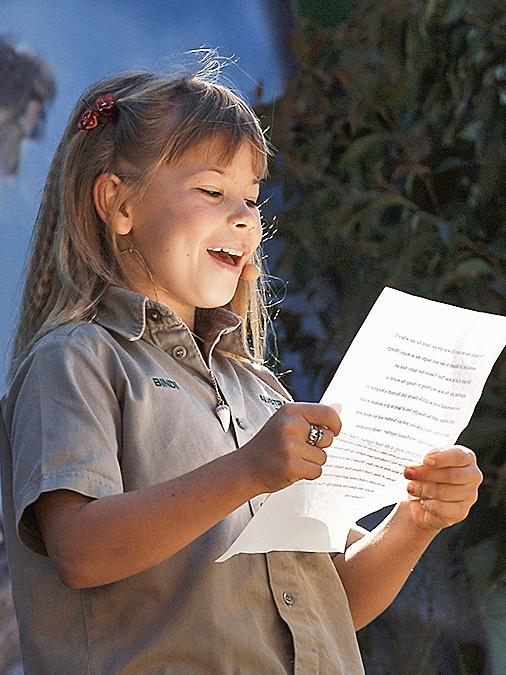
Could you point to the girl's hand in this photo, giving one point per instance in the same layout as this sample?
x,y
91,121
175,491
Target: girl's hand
x,y
279,454
447,486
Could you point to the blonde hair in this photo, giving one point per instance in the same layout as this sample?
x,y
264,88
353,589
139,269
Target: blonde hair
x,y
74,255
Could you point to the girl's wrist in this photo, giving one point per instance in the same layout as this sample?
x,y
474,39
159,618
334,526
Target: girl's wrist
x,y
404,513
247,472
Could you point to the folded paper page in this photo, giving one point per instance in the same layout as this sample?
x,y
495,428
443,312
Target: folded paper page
x,y
408,384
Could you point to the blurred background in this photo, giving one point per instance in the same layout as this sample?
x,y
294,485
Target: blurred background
x,y
390,128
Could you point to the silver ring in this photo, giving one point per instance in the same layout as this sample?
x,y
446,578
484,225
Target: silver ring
x,y
315,434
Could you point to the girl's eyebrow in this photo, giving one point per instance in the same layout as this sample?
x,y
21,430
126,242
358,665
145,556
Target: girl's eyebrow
x,y
222,172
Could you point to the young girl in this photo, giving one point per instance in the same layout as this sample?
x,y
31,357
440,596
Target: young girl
x,y
140,428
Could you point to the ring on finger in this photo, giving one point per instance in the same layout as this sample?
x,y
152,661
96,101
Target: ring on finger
x,y
315,434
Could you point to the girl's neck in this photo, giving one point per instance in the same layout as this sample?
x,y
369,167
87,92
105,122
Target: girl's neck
x,y
150,288
186,314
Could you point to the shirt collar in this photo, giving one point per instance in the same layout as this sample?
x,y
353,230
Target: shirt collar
x,y
128,314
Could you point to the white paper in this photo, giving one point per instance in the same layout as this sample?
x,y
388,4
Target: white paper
x,y
408,384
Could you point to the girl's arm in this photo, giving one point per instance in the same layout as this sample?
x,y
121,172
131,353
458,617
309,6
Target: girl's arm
x,y
95,542
374,568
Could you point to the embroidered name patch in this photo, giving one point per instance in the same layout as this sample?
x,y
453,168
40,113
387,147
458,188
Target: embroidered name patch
x,y
272,401
164,382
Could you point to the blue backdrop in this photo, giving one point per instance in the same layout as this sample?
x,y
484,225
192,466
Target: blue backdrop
x,y
83,41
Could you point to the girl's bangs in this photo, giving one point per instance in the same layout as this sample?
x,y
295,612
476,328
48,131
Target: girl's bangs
x,y
229,140
218,117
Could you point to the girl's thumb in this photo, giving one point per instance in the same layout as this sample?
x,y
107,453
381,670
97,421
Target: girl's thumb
x,y
250,272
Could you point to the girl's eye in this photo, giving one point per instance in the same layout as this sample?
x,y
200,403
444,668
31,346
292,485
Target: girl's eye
x,y
211,193
252,203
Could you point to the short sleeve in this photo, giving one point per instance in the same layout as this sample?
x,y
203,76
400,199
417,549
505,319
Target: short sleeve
x,y
64,428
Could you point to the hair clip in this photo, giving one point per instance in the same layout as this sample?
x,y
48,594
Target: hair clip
x,y
102,110
105,105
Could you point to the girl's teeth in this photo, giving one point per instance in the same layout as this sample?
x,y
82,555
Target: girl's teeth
x,y
231,251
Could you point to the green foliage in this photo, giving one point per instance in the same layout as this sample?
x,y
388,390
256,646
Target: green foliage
x,y
328,12
392,164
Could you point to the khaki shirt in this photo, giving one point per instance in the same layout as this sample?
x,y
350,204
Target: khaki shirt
x,y
122,403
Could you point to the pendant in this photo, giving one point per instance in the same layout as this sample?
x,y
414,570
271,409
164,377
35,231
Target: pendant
x,y
223,414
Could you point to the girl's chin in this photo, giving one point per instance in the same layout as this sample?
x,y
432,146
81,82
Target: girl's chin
x,y
213,304
217,299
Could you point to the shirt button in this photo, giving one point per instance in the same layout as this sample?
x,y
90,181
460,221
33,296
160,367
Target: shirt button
x,y
241,423
288,598
154,315
179,352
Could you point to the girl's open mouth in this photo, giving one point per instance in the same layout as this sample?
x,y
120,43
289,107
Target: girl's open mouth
x,y
228,256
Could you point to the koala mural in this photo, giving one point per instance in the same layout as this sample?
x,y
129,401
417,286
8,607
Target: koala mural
x,y
26,86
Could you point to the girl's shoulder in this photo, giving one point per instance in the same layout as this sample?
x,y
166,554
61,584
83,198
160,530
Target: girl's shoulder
x,y
75,335
69,349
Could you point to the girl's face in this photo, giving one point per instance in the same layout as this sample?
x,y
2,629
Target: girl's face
x,y
196,228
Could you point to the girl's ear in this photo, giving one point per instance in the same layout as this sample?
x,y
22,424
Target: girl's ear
x,y
107,193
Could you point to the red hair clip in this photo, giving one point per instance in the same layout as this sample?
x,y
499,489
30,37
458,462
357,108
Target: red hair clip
x,y
102,110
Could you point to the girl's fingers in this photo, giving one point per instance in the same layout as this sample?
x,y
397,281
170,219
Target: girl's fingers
x,y
446,513
326,440
319,414
467,475
443,492
315,455
456,466
458,456
311,471
446,485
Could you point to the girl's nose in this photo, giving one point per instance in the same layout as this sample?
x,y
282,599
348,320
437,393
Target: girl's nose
x,y
245,217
